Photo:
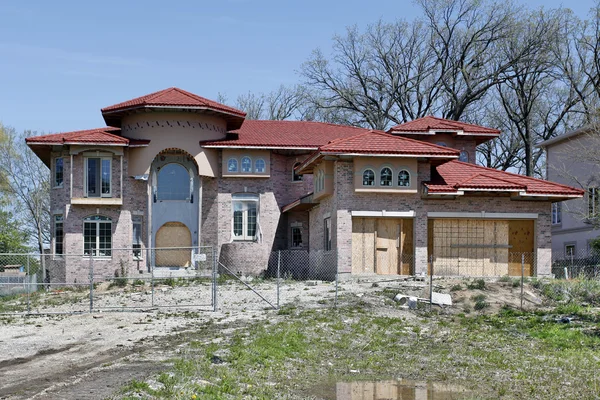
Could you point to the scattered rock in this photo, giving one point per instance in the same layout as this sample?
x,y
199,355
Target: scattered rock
x,y
313,283
215,359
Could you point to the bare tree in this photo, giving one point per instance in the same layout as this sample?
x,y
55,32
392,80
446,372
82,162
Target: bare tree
x,y
26,181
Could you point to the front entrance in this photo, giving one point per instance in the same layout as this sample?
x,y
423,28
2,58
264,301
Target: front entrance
x,y
173,235
382,245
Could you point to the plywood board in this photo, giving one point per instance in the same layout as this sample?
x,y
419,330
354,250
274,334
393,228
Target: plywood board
x,y
406,253
521,238
173,234
387,242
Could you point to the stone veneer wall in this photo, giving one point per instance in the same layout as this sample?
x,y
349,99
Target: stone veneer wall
x,y
345,200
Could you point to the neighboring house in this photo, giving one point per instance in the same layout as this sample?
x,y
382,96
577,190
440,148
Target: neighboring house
x,y
570,160
173,169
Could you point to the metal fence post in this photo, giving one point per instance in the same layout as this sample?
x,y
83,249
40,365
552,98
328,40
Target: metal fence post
x,y
215,284
29,286
431,282
152,279
337,280
91,283
278,274
522,277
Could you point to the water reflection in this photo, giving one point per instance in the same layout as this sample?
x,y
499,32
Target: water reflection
x,y
393,390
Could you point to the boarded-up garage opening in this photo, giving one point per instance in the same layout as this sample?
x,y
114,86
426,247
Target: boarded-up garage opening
x,y
478,247
173,234
382,245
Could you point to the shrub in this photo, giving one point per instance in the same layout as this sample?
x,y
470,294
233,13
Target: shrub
x,y
478,284
504,278
480,305
456,288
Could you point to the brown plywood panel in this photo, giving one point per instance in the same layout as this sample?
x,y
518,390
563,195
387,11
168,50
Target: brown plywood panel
x,y
369,245
173,234
521,238
407,248
387,251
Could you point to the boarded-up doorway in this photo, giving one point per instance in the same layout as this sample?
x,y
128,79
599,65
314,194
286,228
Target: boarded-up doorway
x,y
173,235
382,245
521,240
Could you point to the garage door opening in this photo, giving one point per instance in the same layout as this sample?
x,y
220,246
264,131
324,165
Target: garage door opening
x,y
383,246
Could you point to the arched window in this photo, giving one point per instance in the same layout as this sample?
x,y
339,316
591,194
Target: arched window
x,y
386,177
442,144
97,236
368,178
403,178
464,156
246,164
232,165
259,166
295,176
173,183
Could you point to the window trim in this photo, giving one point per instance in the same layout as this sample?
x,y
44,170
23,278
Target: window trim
x,y
96,249
85,176
245,198
264,166
55,221
593,201
409,178
137,220
242,165
296,177
236,165
54,172
369,169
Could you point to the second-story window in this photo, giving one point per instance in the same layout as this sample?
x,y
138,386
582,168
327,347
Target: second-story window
x,y
246,164
403,178
259,166
98,176
232,165
369,178
556,213
464,156
386,177
58,172
593,202
295,176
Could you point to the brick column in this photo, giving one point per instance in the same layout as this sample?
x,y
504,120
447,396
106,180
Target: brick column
x,y
420,237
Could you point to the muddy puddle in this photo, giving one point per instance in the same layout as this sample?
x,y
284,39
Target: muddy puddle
x,y
390,390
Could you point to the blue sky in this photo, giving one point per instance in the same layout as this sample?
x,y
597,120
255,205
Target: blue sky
x,y
64,60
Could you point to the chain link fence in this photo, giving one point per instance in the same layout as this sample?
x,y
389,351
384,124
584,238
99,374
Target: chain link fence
x,y
576,264
479,265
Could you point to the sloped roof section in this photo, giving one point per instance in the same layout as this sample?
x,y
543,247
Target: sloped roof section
x,y
456,176
430,123
101,136
284,134
173,98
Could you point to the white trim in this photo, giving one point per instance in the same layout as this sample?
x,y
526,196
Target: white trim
x,y
558,196
214,109
246,175
482,215
488,190
384,189
390,155
412,133
103,201
384,213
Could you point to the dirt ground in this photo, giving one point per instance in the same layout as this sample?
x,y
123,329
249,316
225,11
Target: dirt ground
x,y
92,355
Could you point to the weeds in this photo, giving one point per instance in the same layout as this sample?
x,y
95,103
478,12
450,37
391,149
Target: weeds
x,y
478,284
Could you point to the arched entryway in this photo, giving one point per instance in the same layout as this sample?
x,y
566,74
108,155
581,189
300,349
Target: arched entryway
x,y
177,236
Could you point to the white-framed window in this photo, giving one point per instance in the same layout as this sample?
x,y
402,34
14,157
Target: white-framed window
x,y
295,176
327,233
368,178
58,235
245,216
136,242
97,236
296,237
556,213
232,165
404,178
320,181
593,199
58,175
174,183
464,156
246,164
386,176
570,250
260,166
98,176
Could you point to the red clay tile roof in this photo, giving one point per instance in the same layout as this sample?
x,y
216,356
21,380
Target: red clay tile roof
x,y
377,142
429,123
291,134
173,97
102,136
457,175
